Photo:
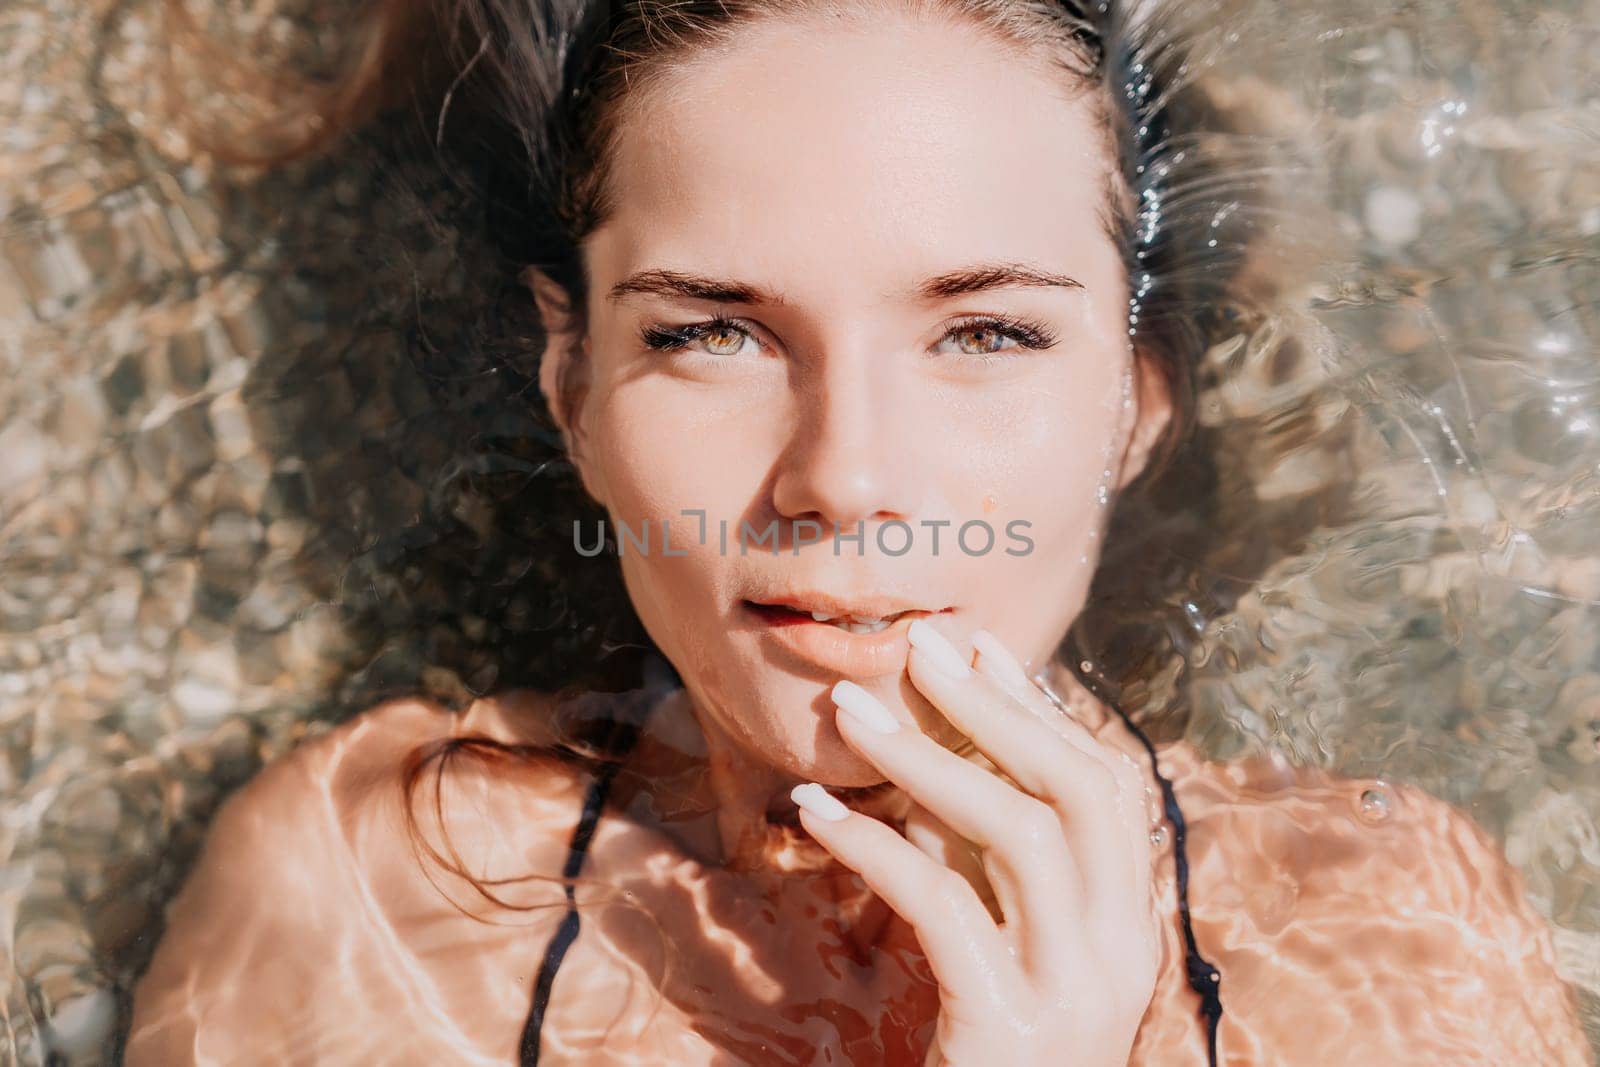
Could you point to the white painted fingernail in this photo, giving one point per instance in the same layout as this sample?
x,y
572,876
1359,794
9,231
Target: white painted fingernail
x,y
940,652
818,801
994,651
865,708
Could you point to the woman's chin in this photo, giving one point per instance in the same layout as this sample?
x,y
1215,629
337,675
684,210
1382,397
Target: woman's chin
x,y
837,765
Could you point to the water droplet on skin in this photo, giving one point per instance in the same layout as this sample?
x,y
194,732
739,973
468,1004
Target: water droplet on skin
x,y
1374,806
1158,836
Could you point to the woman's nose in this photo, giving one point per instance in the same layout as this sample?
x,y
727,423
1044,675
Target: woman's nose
x,y
855,453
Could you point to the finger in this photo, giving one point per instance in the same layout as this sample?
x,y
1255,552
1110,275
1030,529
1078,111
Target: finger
x,y
942,844
996,662
1038,758
1102,825
1001,665
966,950
1135,799
1036,878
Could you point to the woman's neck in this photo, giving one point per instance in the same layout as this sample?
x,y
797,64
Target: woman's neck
x,y
729,809
758,824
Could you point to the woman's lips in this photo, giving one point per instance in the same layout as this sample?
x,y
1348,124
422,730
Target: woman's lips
x,y
832,648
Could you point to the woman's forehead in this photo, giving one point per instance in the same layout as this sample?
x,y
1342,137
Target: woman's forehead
x,y
855,143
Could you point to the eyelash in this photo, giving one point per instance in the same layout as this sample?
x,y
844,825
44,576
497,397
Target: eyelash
x,y
1026,334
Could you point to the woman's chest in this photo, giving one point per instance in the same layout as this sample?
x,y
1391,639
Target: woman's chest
x,y
688,968
1325,952
706,967
663,960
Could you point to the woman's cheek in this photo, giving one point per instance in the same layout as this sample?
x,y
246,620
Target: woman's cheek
x,y
684,443
1051,482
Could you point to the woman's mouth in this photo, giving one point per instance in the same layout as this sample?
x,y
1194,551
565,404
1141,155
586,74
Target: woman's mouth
x,y
778,615
854,645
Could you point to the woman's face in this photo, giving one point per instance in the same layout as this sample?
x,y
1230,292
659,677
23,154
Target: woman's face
x,y
929,329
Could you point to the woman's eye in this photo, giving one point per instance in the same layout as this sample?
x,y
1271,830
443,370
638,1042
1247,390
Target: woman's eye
x,y
980,340
723,340
988,336
716,337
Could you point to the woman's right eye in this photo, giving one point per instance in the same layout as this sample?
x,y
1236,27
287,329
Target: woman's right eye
x,y
719,337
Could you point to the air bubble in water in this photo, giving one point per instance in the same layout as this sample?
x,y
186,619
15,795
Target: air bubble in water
x,y
1374,805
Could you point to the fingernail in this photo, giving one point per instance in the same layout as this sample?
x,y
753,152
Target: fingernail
x,y
818,801
864,708
940,652
993,650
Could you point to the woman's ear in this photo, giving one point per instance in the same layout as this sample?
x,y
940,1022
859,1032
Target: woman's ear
x,y
560,337
563,367
1152,398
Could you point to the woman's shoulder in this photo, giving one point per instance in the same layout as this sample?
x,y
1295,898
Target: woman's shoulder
x,y
1316,837
315,858
1314,821
352,782
1391,908
340,778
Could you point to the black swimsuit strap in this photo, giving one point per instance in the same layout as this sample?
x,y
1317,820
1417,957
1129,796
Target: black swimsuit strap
x,y
627,733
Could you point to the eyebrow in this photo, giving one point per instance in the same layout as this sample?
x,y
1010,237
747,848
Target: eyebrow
x,y
973,279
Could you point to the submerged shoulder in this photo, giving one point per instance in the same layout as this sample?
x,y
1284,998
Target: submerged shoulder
x,y
408,751
1395,909
345,791
1321,826
300,863
257,898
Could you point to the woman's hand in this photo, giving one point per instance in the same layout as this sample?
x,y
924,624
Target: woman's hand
x,y
1066,976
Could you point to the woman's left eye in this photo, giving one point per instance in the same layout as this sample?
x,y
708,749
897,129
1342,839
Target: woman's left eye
x,y
988,336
